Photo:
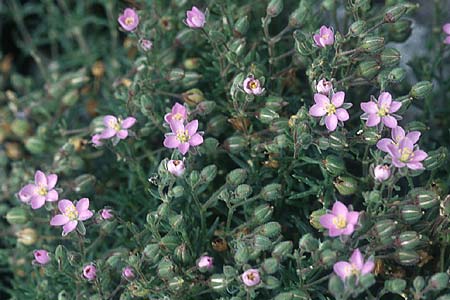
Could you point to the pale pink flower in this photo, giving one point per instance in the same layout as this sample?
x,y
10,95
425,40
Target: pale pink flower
x,y
183,137
205,262
356,266
128,273
251,277
397,134
446,29
404,155
116,127
129,20
71,214
332,111
145,44
41,191
96,140
41,257
382,172
252,86
106,214
195,18
325,37
324,87
90,272
176,167
178,113
339,221
381,111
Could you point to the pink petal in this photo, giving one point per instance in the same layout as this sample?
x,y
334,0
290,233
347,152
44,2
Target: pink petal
x,y
317,110
342,269
40,179
338,99
27,192
176,126
385,99
109,121
406,143
342,114
196,140
183,148
84,215
339,209
327,221
192,127
369,107
395,106
69,227
122,134
59,220
383,144
171,141
352,217
64,204
373,120
396,162
321,100
52,196
168,117
37,202
357,259
128,122
52,179
318,41
367,267
331,122
389,121
415,165
419,155
447,40
397,134
108,133
324,30
446,28
349,229
179,109
82,205
413,136
333,231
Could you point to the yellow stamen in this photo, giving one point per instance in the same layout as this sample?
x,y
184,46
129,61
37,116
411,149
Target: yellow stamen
x,y
42,190
340,222
251,276
405,154
331,109
183,136
253,84
71,212
129,20
383,111
177,116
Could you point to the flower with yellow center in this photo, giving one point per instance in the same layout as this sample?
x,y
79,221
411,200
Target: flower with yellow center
x,y
383,111
177,117
71,212
253,84
331,109
405,154
340,222
42,190
183,136
129,20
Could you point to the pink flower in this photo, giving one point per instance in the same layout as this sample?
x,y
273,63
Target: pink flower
x,y
325,37
129,20
324,87
251,277
176,167
381,172
116,127
106,214
398,134
332,111
340,221
183,137
178,113
96,140
71,214
128,273
405,155
145,44
42,190
356,266
252,86
381,111
446,29
41,257
205,262
195,18
90,272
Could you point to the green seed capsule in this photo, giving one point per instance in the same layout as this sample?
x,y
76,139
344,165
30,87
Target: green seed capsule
x,y
436,158
271,192
371,136
334,165
411,213
271,282
393,14
208,173
308,243
282,249
390,57
373,44
175,283
357,28
419,283
262,213
237,47
191,78
270,265
274,8
346,185
176,74
193,97
169,243
262,243
151,252
328,257
35,145
438,281
241,26
165,269
368,69
236,177
205,108
191,63
338,141
176,222
243,191
385,228
409,240
293,295
407,257
400,31
218,282
235,144
270,230
396,75
267,115
421,89
85,184
396,286
242,254
424,198
194,178
17,216
182,255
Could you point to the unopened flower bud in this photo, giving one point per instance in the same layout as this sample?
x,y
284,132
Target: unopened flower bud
x,y
41,257
271,192
381,172
411,213
282,249
324,87
128,273
421,89
241,26
106,214
274,8
176,167
438,281
205,263
90,272
346,185
27,236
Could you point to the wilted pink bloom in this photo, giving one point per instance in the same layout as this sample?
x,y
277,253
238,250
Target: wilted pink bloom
x,y
356,266
405,155
446,29
116,127
183,137
381,172
381,111
128,273
96,140
325,37
398,134
71,214
146,45
90,272
251,277
205,262
129,20
106,214
252,86
340,221
41,257
178,113
176,167
195,18
42,190
332,111
324,87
